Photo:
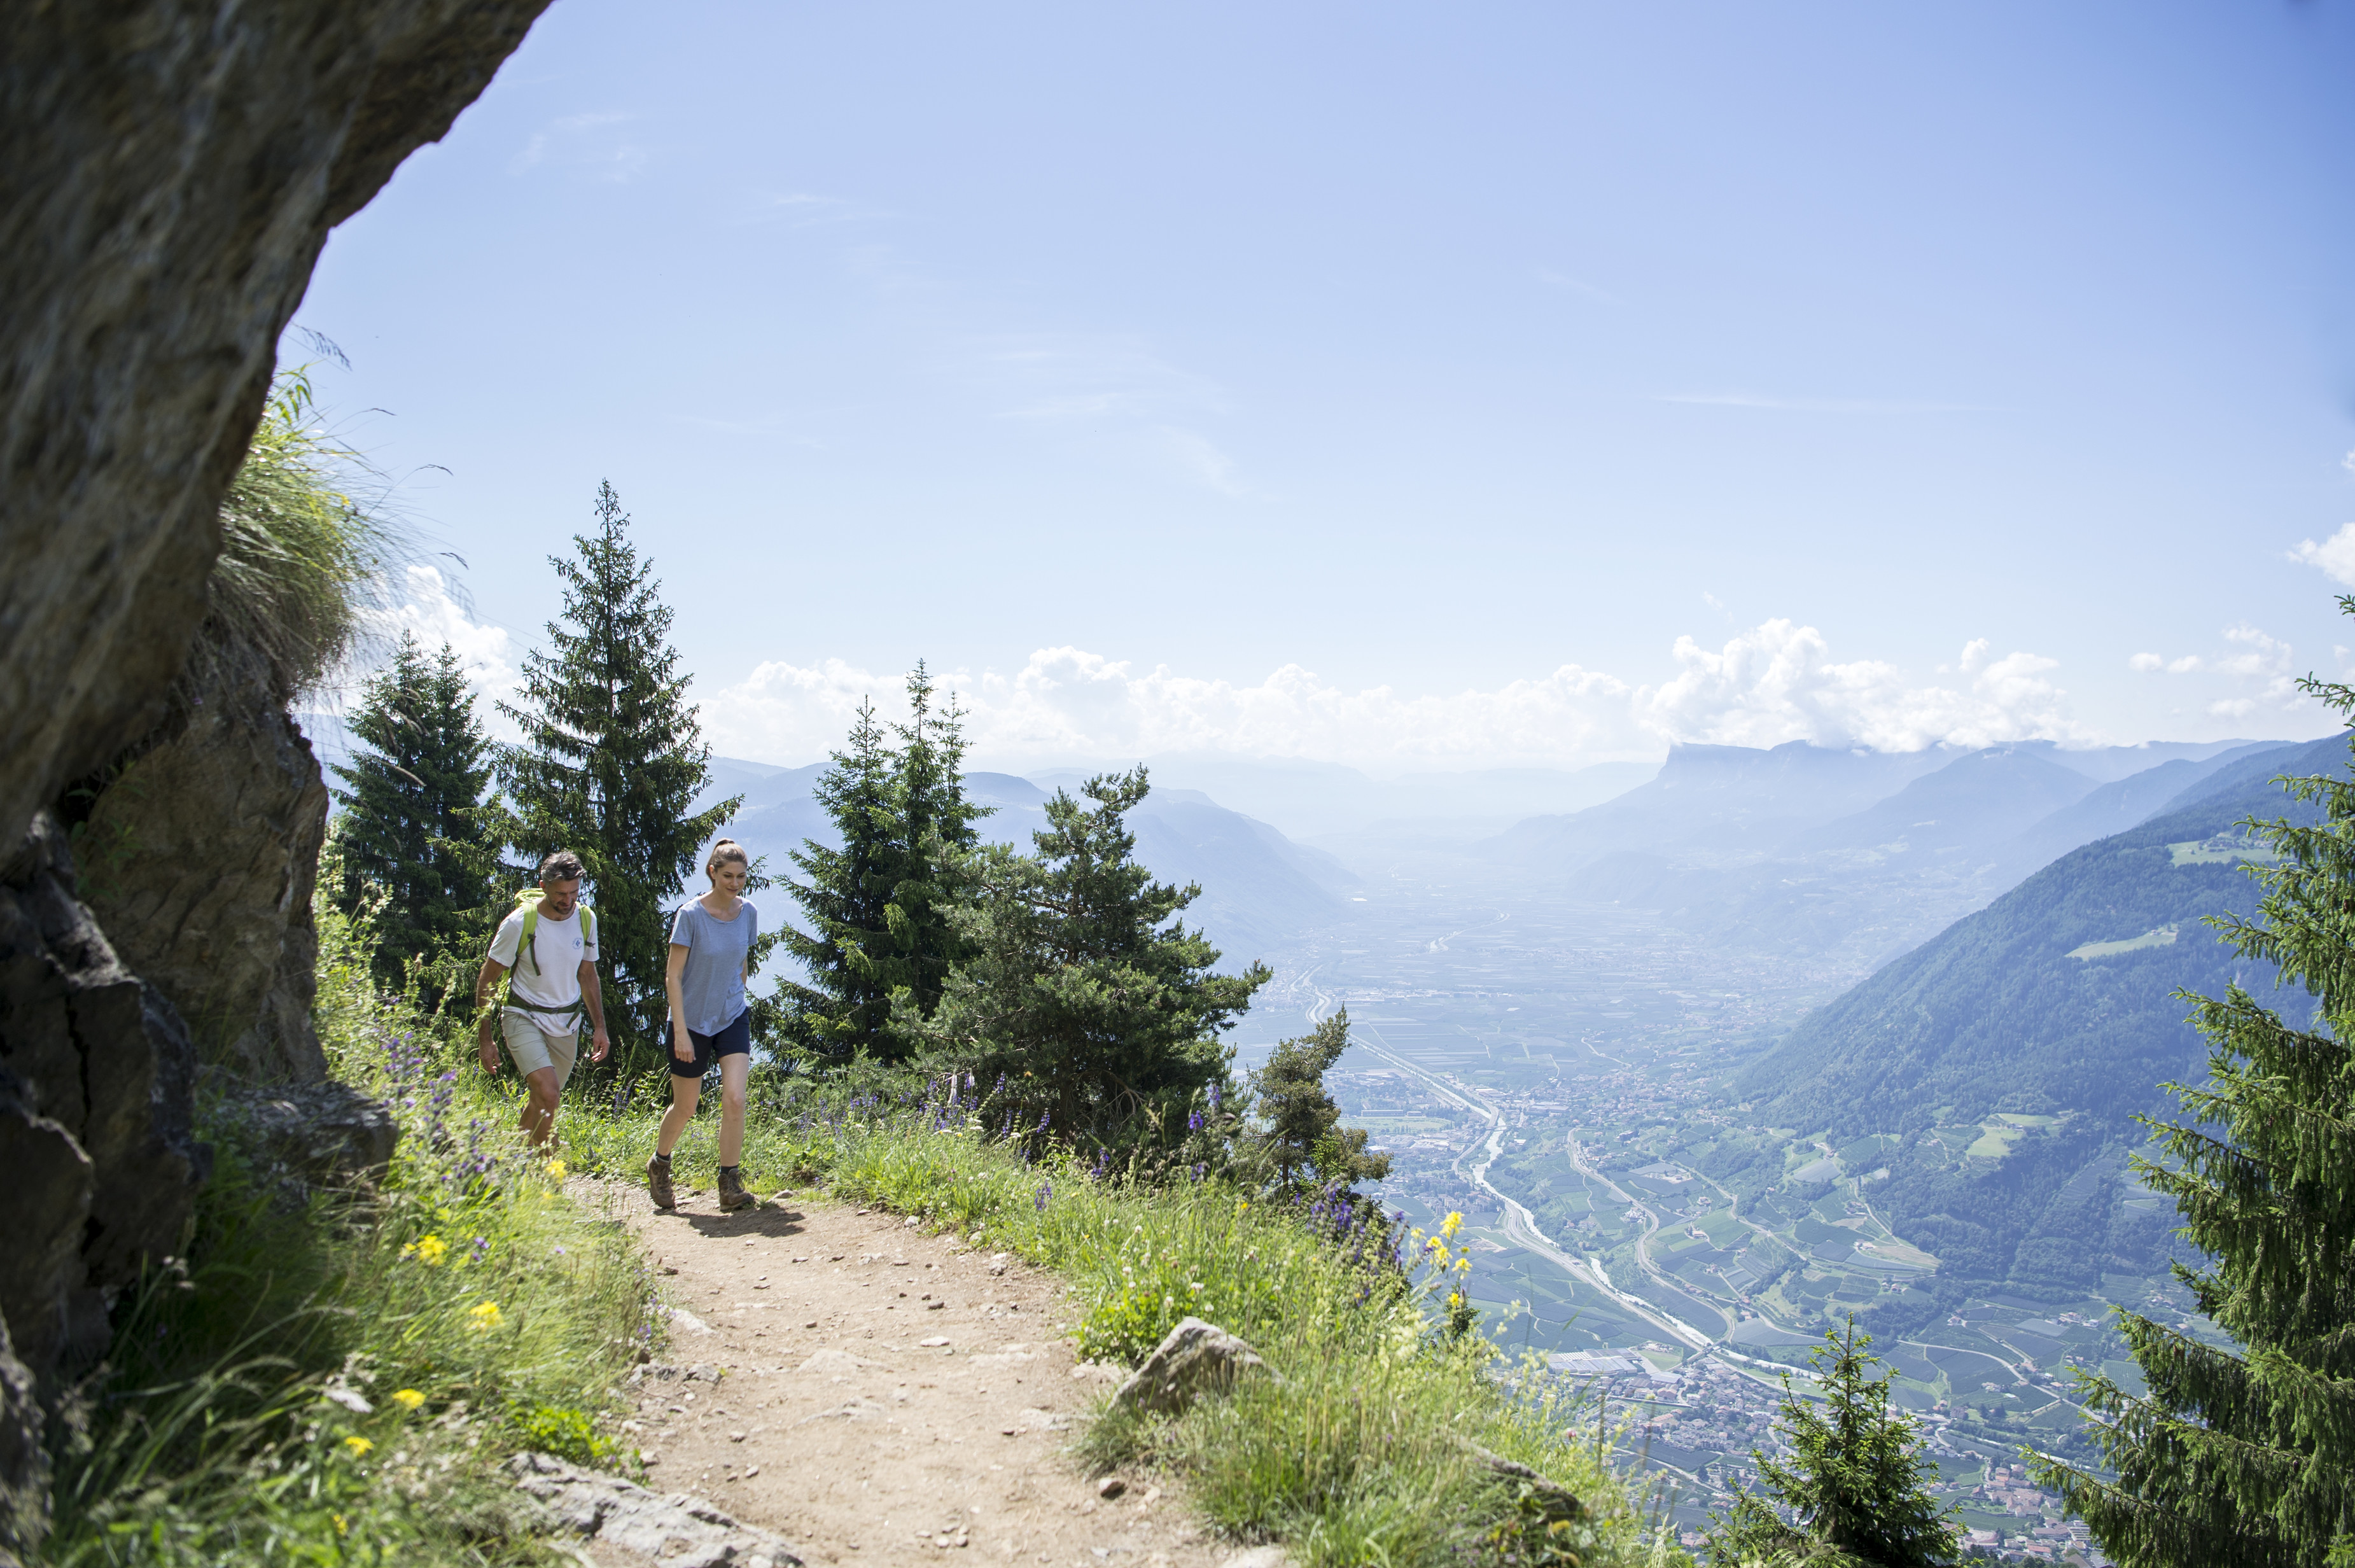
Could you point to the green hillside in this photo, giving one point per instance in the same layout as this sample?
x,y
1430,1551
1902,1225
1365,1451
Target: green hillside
x,y
2012,1050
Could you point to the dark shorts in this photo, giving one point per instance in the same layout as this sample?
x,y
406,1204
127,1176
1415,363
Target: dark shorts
x,y
734,1039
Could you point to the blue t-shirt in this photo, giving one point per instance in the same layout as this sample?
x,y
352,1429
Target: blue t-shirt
x,y
711,987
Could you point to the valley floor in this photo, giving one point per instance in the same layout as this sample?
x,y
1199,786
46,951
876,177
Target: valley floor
x,y
883,1395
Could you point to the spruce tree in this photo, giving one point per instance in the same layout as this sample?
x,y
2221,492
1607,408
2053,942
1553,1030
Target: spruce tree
x,y
2245,1453
417,857
1855,1490
612,755
1304,1134
1100,1015
878,906
844,898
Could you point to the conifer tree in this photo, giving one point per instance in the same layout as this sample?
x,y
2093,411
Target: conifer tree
x,y
843,897
1303,1133
612,755
417,857
2246,1455
878,906
1100,1014
1854,1488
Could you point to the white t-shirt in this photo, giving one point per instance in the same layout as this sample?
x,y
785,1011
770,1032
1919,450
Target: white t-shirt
x,y
558,948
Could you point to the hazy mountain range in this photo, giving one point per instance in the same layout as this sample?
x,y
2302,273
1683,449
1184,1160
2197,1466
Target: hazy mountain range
x,y
1258,888
1849,856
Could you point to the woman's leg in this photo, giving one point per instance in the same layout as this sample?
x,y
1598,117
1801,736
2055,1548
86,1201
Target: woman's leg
x,y
734,1069
684,1094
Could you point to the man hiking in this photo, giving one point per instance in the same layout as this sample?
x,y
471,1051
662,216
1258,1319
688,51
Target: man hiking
x,y
551,980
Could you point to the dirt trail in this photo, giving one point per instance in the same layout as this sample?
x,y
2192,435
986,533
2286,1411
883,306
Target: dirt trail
x,y
885,1395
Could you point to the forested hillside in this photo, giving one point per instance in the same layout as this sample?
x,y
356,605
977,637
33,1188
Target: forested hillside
x,y
2012,1050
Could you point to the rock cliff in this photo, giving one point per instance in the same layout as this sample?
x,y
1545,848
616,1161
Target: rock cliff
x,y
199,858
174,168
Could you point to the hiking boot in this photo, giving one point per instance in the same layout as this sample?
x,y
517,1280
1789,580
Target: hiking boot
x,y
658,1184
733,1195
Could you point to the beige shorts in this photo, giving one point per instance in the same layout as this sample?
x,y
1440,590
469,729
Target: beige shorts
x,y
534,1047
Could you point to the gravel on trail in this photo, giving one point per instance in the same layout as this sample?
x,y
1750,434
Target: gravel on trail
x,y
874,1393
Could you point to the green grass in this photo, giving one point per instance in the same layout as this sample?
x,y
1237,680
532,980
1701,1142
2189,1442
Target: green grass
x,y
338,1382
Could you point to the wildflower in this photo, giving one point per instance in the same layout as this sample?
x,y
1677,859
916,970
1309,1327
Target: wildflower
x,y
486,1315
408,1398
556,1171
343,1525
1453,1223
358,1445
429,1250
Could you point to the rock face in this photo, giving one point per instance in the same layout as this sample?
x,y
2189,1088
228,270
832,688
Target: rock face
x,y
1193,1359
174,168
96,1089
678,1530
199,858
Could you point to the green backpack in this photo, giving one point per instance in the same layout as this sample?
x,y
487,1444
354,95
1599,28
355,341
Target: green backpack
x,y
527,901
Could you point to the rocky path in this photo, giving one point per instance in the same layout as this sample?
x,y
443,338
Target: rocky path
x,y
875,1393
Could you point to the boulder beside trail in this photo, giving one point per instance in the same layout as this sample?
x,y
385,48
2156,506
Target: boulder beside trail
x,y
678,1530
1193,1359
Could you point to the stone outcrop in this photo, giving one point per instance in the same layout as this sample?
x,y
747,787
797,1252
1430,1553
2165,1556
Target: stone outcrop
x,y
303,1138
1192,1359
96,1092
199,858
678,1530
174,168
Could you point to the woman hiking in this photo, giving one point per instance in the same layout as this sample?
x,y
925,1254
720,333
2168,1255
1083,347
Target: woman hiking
x,y
710,959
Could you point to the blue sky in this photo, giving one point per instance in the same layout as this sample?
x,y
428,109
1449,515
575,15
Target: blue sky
x,y
1398,385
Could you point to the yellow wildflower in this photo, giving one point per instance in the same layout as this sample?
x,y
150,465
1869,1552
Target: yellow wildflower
x,y
1454,1222
428,1250
1463,1265
486,1315
343,1525
358,1445
408,1398
556,1171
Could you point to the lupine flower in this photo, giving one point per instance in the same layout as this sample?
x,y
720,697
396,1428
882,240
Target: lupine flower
x,y
1046,1192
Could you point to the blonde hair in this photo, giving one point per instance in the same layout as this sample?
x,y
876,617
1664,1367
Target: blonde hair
x,y
726,850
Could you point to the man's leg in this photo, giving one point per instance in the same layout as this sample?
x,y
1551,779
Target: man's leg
x,y
544,1061
546,1088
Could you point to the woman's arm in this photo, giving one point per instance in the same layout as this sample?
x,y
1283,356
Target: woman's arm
x,y
680,1046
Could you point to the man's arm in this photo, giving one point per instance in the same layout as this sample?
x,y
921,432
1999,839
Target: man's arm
x,y
485,1043
593,996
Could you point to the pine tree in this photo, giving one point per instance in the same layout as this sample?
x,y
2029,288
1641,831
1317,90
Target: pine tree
x,y
612,755
844,897
1097,1017
418,856
2246,1454
1303,1133
1855,1488
935,833
878,906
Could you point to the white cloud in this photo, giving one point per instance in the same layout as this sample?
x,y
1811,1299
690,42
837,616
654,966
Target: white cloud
x,y
1778,683
1770,685
420,605
2145,663
2334,555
